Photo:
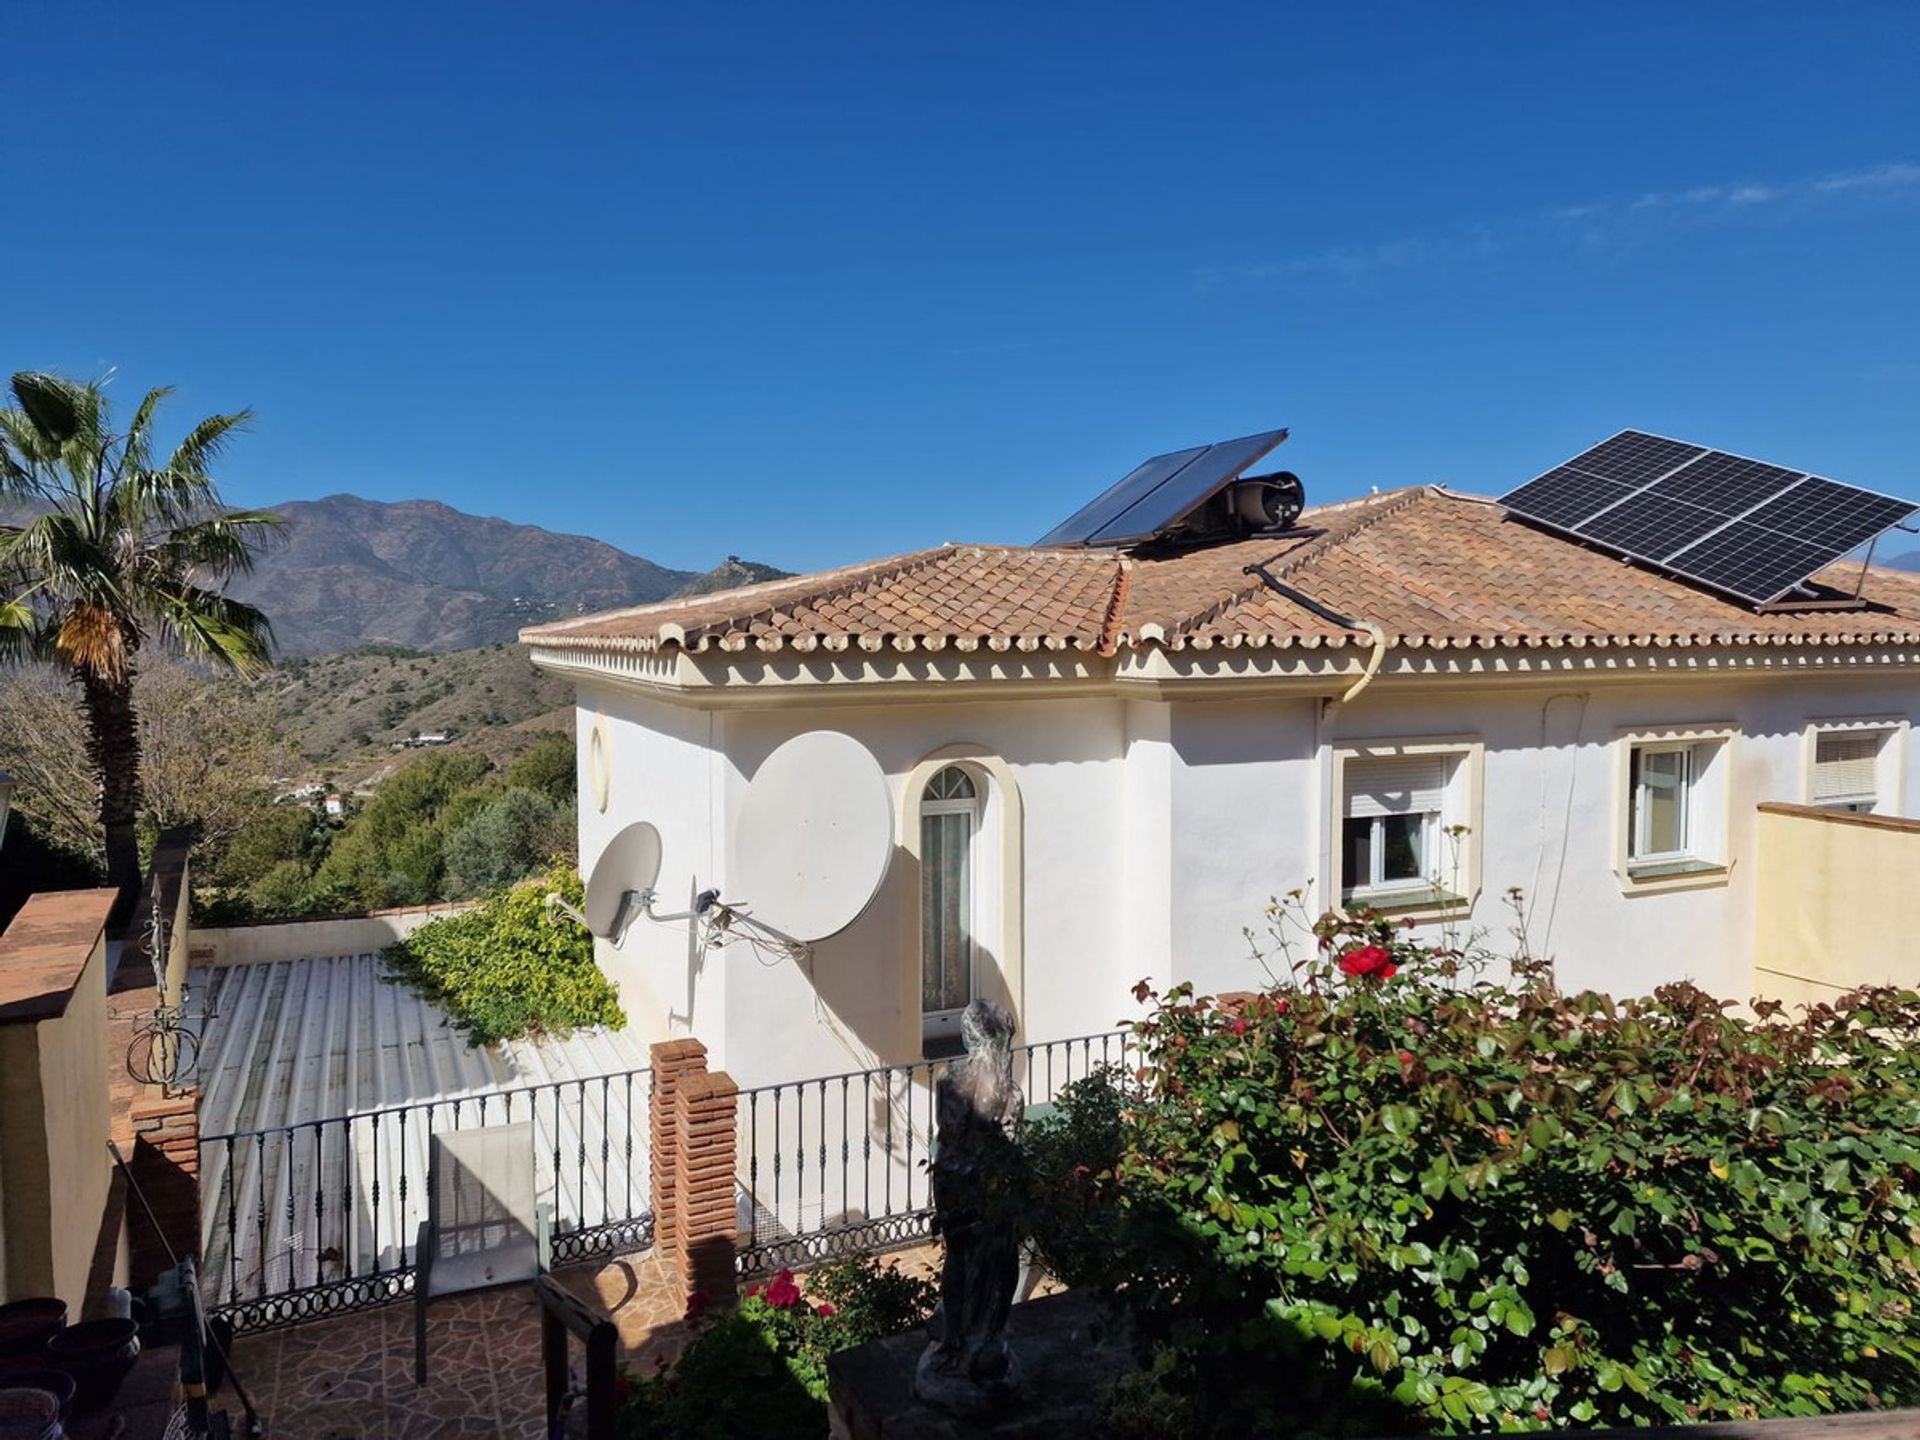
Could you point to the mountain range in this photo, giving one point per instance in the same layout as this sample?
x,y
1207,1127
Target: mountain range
x,y
350,572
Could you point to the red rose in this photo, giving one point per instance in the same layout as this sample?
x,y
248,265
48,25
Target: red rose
x,y
696,1305
1388,970
1367,960
825,1311
622,1387
782,1293
1238,1027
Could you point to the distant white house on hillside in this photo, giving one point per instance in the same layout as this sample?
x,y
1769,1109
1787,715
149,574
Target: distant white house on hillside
x,y
1103,761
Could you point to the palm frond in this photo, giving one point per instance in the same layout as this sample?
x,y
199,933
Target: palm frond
x,y
206,625
60,409
25,447
136,448
92,640
203,444
217,547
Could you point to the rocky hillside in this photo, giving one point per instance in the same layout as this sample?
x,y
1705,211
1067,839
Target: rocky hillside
x,y
417,573
349,573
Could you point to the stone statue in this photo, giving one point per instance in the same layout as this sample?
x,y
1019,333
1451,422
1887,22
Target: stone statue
x,y
976,1199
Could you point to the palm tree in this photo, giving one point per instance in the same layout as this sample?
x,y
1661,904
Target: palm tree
x,y
126,552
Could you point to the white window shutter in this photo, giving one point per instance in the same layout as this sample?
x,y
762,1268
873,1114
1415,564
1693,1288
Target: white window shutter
x,y
1395,785
1844,768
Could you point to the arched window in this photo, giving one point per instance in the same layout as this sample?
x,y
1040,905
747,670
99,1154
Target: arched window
x,y
949,915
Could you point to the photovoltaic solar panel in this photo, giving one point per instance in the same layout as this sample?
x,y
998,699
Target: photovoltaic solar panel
x,y
1156,497
1724,483
1742,526
1635,458
1078,527
1648,525
1563,497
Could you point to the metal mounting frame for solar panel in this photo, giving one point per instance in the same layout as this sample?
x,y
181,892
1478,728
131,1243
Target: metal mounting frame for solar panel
x,y
1159,494
1740,526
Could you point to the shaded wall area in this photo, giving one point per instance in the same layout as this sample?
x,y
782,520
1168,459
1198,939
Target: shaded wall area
x,y
53,1104
1836,905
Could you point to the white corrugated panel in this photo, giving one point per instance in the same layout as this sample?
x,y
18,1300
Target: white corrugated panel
x,y
1395,785
1844,766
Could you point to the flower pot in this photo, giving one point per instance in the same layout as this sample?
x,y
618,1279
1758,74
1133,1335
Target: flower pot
x,y
27,1414
26,1324
38,1375
97,1354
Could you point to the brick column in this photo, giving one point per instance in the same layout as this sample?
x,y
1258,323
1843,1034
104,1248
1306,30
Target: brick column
x,y
165,1164
674,1062
706,1107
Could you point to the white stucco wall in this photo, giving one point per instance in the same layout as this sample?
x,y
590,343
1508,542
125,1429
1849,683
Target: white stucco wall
x,y
1155,830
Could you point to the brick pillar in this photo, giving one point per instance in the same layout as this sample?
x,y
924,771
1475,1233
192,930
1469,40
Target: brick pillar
x,y
165,1164
703,1184
674,1062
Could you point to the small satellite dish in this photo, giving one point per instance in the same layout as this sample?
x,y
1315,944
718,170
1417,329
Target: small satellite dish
x,y
815,836
628,866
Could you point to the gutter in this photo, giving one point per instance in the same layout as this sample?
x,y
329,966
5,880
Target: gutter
x,y
1377,638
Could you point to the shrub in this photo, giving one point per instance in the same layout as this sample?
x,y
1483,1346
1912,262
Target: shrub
x,y
762,1370
509,967
1501,1207
503,839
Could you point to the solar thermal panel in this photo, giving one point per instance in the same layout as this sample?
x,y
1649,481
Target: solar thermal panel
x,y
1138,483
1181,493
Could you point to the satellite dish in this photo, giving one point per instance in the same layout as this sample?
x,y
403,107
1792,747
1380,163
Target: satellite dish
x,y
815,836
630,864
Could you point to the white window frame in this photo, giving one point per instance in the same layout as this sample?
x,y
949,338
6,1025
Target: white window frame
x,y
944,1025
1889,775
1455,856
1705,856
1639,805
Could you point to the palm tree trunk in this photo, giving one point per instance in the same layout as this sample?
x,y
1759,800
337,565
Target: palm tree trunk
x,y
113,747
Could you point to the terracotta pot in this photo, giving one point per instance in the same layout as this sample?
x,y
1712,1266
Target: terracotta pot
x,y
25,1325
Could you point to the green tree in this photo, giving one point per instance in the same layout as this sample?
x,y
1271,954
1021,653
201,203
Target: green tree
x,y
548,766
391,854
131,550
510,837
279,835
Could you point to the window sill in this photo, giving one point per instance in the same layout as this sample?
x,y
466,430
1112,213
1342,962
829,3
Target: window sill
x,y
1427,902
1641,879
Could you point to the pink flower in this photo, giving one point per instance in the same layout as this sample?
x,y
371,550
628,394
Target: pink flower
x,y
825,1311
782,1293
1238,1027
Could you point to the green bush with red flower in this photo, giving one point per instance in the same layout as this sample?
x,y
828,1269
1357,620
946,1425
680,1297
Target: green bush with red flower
x,y
1390,1195
761,1369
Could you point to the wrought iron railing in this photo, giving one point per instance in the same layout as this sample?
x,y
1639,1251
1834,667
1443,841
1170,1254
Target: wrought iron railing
x,y
836,1165
321,1216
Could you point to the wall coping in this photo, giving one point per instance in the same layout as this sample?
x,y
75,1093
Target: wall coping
x,y
441,907
1840,817
46,948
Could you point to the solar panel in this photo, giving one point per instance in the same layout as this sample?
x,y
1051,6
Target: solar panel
x,y
1160,494
1186,490
1078,527
1742,526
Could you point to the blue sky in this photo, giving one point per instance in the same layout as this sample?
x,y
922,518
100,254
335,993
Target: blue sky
x,y
810,283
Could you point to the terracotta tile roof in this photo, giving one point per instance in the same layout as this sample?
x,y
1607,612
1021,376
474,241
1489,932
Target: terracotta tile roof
x,y
1429,567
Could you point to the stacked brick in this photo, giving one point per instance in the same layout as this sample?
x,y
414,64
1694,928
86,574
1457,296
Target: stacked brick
x,y
693,1148
166,1166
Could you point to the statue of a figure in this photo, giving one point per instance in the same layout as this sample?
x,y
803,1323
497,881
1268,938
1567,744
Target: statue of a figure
x,y
976,1201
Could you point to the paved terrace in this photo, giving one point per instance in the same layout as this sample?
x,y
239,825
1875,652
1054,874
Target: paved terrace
x,y
352,1378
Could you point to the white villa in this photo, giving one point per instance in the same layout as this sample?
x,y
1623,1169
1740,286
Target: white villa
x,y
1104,762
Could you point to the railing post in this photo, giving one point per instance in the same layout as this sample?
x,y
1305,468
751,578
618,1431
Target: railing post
x,y
674,1062
706,1108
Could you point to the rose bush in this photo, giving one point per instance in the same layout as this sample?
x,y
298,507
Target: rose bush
x,y
762,1369
1426,1200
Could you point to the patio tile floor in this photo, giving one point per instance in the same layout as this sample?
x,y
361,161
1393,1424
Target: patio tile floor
x,y
351,1378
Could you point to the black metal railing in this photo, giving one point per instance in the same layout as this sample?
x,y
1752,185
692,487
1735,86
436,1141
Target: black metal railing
x,y
836,1165
321,1216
